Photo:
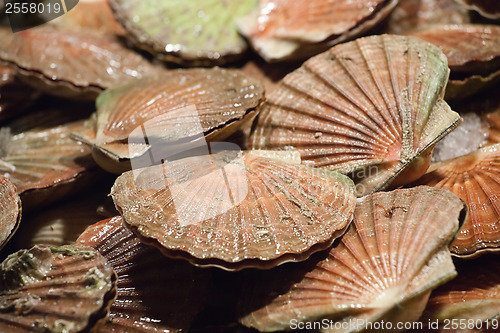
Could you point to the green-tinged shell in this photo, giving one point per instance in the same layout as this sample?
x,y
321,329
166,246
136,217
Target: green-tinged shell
x,y
235,210
45,164
475,178
50,289
10,210
472,297
70,63
189,32
415,14
372,108
383,269
154,293
282,29
156,118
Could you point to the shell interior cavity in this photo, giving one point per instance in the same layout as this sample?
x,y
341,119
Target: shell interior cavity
x,y
278,30
156,119
189,32
487,8
372,108
235,209
55,289
475,178
154,293
384,268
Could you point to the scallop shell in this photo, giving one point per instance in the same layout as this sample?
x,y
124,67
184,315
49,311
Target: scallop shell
x,y
279,30
191,106
372,107
235,210
471,85
415,14
475,178
487,8
473,297
155,293
380,270
94,15
15,97
45,164
70,63
10,210
187,32
50,289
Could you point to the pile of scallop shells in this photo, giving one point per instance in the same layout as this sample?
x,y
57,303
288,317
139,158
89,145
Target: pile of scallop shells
x,y
251,165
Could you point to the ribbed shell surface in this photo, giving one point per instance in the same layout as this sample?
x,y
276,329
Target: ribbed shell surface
x,y
10,210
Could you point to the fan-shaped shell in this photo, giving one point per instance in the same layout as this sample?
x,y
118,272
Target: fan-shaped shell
x,y
475,178
50,289
45,161
280,29
189,32
165,112
487,8
10,210
473,296
384,268
154,293
415,14
70,63
235,210
372,106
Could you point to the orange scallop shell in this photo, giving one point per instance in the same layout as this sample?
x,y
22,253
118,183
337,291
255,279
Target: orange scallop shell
x,y
154,293
235,210
50,289
10,210
472,297
70,63
475,178
384,268
372,107
280,29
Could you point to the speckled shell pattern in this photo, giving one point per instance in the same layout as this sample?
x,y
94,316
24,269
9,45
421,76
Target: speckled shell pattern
x,y
393,254
234,209
10,210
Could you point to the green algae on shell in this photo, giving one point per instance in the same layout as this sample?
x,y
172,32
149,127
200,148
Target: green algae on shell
x,y
49,289
154,293
372,108
160,115
10,210
188,32
236,210
383,268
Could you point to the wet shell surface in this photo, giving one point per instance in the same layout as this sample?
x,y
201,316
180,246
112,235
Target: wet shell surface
x,y
279,30
235,210
473,296
380,270
70,63
44,161
155,294
50,289
487,8
475,178
415,14
189,32
372,108
10,210
156,118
